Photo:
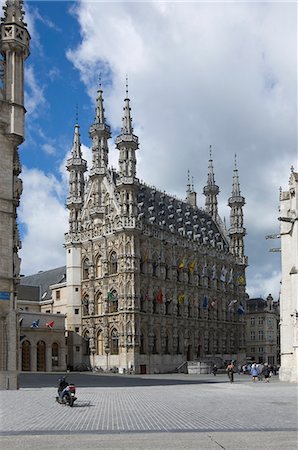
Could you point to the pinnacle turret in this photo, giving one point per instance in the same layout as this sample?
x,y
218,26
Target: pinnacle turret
x,y
13,12
211,190
99,132
191,195
76,167
236,203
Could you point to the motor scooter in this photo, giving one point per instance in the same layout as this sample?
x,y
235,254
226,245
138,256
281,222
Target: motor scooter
x,y
66,392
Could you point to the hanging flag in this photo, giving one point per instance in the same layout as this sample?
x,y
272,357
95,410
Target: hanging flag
x,y
181,265
191,266
231,304
111,296
241,280
50,324
213,304
181,298
214,277
21,321
205,302
241,309
231,276
35,324
159,296
205,270
223,274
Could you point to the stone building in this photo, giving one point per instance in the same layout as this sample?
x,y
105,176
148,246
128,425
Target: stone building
x,y
289,286
14,49
42,326
262,330
152,281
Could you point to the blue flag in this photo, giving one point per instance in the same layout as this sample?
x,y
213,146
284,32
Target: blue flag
x,y
205,302
35,324
241,309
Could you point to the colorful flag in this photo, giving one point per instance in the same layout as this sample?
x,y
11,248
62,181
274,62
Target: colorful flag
x,y
50,324
205,302
213,304
205,270
159,296
231,304
241,280
241,309
214,272
181,298
35,324
181,265
231,276
111,296
223,274
191,266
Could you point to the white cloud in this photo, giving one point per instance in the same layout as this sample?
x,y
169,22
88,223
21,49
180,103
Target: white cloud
x,y
49,149
34,93
200,74
44,217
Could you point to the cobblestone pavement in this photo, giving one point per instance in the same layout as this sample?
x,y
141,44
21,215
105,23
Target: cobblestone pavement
x,y
215,407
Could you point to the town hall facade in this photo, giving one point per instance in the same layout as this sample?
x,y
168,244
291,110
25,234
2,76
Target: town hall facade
x,y
151,281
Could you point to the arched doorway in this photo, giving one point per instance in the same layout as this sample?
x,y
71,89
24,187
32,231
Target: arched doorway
x,y
41,356
26,356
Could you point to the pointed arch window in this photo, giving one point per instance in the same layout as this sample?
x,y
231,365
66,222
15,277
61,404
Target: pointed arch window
x,y
85,269
154,346
41,356
113,263
114,342
112,301
26,356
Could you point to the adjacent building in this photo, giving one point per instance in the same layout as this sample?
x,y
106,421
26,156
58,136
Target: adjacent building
x,y
289,286
14,50
262,330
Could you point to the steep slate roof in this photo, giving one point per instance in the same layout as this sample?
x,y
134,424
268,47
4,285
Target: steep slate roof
x,y
44,280
179,217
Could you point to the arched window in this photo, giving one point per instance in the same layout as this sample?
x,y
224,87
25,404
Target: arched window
x,y
26,355
113,263
85,269
99,304
112,301
41,356
55,354
114,342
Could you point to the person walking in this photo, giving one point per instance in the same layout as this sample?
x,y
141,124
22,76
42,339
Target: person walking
x,y
266,372
254,372
230,370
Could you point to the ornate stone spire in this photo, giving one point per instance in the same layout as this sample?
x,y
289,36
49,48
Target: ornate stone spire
x,y
126,120
99,132
127,144
191,195
211,190
236,231
76,167
13,12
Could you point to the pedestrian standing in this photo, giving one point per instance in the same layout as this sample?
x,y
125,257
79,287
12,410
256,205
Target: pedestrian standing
x,y
230,370
254,372
266,372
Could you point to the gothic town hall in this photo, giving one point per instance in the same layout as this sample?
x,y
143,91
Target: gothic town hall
x,y
151,281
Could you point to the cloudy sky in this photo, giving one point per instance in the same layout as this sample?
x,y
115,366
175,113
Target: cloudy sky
x,y
221,74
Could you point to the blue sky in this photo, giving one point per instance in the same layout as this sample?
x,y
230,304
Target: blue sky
x,y
222,73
